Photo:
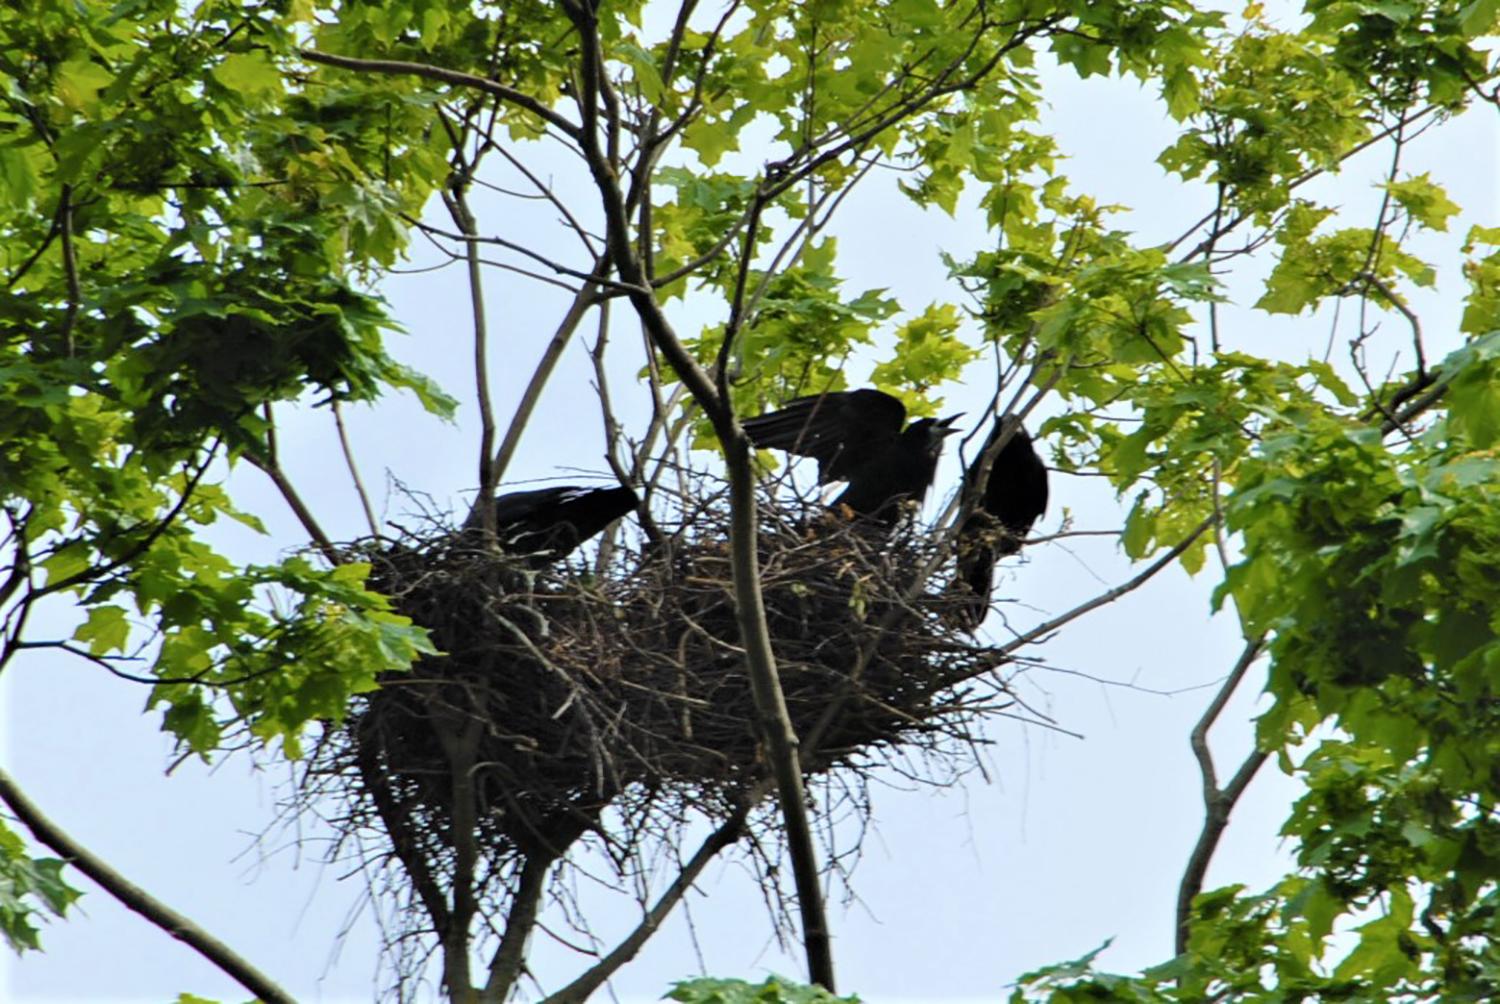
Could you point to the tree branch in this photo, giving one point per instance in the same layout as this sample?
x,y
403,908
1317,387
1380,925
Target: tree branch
x,y
1217,802
270,466
580,989
458,209
577,310
510,959
459,747
1109,596
760,660
441,74
359,483
135,898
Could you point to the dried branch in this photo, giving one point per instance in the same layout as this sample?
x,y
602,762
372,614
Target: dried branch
x,y
1109,596
550,196
556,266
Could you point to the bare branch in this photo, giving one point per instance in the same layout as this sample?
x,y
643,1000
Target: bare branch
x,y
270,465
577,310
441,74
509,961
458,209
1400,305
550,196
580,989
136,899
1217,802
1130,585
359,484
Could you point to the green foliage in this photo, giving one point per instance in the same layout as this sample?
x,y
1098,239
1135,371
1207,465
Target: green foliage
x,y
29,888
192,208
775,990
185,228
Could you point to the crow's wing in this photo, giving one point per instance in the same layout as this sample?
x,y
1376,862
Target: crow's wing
x,y
842,430
514,508
553,521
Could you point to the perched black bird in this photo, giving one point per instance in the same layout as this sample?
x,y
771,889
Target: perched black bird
x,y
547,524
858,436
1014,497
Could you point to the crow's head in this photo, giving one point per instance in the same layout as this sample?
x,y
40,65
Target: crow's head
x,y
931,432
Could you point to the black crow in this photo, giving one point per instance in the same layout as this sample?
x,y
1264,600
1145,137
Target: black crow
x,y
858,436
546,524
1014,497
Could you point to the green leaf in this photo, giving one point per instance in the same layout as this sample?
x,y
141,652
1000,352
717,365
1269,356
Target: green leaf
x,y
775,990
434,400
30,888
106,630
249,73
68,561
1478,17
1140,529
79,81
1424,200
647,76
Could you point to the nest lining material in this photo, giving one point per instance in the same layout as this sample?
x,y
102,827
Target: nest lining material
x,y
562,691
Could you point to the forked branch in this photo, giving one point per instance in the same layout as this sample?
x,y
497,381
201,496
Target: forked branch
x,y
1218,802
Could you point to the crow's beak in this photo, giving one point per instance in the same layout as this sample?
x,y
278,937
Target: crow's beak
x,y
947,426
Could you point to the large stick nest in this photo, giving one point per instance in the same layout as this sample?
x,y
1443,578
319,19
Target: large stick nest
x,y
562,691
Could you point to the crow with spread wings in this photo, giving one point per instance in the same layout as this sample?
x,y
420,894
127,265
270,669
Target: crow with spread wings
x,y
860,437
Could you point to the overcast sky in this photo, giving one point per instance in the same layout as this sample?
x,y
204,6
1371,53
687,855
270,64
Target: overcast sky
x,y
1069,843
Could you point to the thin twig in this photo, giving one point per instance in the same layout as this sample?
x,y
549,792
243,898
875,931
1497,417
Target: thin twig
x,y
1130,585
580,989
530,397
270,466
441,74
359,485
